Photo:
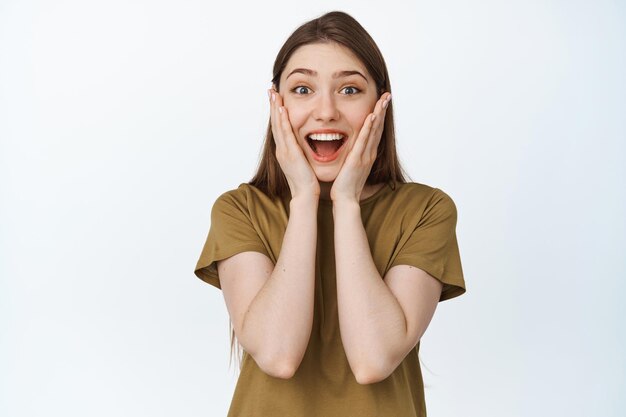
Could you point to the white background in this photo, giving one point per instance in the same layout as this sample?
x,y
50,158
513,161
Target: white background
x,y
122,121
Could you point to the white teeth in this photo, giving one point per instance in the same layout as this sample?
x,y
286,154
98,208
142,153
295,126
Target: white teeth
x,y
326,136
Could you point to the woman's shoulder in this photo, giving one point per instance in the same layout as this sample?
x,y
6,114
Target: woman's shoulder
x,y
243,192
416,190
417,203
248,196
421,199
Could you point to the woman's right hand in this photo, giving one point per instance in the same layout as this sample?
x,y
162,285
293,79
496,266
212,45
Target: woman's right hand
x,y
300,175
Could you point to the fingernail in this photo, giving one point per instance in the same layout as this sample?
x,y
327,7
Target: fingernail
x,y
280,109
269,94
385,104
273,97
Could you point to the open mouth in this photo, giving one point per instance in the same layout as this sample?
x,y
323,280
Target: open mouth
x,y
326,145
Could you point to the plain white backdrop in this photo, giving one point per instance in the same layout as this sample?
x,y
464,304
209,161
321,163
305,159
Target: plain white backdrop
x,y
122,121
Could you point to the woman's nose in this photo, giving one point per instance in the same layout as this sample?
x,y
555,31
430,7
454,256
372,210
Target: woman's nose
x,y
326,107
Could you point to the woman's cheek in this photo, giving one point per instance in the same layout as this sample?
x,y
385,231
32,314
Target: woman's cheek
x,y
360,121
296,116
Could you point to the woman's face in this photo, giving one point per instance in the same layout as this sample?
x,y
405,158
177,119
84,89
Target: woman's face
x,y
326,88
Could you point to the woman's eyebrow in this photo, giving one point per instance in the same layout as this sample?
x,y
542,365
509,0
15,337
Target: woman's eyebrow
x,y
338,74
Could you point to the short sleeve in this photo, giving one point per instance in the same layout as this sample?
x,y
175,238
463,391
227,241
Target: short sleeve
x,y
231,232
432,245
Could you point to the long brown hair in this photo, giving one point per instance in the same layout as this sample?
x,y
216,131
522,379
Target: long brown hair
x,y
343,29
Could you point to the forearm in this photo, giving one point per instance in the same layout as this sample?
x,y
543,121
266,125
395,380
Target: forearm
x,y
277,325
372,322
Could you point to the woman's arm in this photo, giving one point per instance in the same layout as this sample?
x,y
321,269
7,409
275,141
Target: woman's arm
x,y
273,319
380,320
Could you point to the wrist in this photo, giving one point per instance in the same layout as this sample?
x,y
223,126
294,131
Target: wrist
x,y
301,202
346,204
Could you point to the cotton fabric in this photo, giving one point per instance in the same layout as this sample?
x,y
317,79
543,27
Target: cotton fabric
x,y
406,224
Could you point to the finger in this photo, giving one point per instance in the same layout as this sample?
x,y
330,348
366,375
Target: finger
x,y
285,125
376,132
381,106
378,119
280,120
386,100
278,140
360,143
289,139
383,112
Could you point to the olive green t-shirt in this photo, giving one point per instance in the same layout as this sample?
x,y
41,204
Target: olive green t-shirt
x,y
406,223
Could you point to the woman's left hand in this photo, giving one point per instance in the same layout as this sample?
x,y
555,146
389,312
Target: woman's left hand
x,y
361,156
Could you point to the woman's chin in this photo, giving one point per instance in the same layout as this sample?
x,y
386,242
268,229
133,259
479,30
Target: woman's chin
x,y
326,175
327,172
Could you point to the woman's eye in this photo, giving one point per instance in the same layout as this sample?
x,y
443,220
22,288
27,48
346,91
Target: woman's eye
x,y
302,90
350,91
299,90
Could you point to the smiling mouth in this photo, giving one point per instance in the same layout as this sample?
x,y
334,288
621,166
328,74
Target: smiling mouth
x,y
327,146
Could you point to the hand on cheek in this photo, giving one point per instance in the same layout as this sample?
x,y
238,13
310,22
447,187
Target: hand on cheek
x,y
299,173
361,156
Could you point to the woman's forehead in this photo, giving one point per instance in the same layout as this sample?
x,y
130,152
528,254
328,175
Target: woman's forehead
x,y
325,59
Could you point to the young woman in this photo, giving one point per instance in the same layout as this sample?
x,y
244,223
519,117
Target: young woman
x,y
331,264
